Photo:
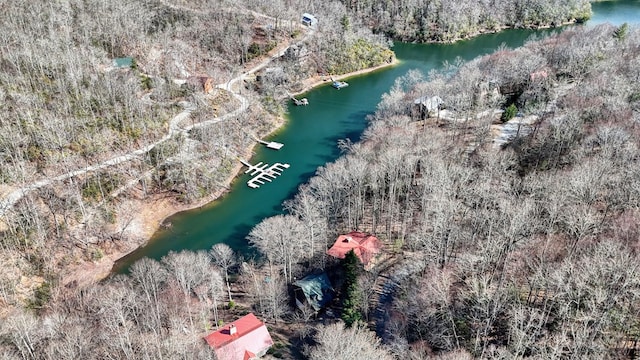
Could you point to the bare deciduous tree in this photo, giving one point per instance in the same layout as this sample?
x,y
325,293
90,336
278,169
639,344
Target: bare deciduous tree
x,y
280,239
224,257
337,342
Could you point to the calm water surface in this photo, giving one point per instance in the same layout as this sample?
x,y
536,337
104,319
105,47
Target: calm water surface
x,y
311,134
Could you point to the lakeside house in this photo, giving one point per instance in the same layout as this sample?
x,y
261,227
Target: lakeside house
x,y
426,106
364,246
244,339
313,289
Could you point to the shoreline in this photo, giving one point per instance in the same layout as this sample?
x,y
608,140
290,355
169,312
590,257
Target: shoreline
x,y
499,29
154,211
315,81
151,215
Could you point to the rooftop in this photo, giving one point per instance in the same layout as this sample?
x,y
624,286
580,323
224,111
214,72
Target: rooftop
x,y
317,289
365,246
246,335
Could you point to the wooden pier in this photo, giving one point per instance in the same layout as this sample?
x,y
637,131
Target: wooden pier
x,y
262,173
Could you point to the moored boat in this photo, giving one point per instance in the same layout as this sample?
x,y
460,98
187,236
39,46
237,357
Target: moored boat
x,y
339,84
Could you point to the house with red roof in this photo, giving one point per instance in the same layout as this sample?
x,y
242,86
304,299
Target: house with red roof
x,y
244,339
364,246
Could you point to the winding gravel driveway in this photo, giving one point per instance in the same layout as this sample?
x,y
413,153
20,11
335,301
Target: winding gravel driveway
x,y
10,199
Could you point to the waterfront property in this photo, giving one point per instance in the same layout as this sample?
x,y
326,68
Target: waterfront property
x,y
244,339
311,136
365,246
426,106
313,289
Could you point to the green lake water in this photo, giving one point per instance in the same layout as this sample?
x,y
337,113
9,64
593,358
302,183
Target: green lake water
x,y
311,135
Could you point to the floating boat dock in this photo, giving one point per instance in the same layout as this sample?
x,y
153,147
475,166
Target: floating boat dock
x,y
272,144
262,173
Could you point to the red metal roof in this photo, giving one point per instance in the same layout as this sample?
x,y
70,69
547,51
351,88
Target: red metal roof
x,y
251,337
365,246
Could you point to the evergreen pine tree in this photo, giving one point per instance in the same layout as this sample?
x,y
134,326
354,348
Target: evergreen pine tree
x,y
351,294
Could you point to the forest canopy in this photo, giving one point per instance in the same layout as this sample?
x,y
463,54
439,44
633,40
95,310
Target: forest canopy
x,y
446,21
107,105
523,248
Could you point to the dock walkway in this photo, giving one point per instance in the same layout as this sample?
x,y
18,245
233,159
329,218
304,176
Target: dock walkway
x,y
262,173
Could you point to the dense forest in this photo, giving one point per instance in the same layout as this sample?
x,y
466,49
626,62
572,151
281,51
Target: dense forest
x,y
85,143
445,21
524,248
527,249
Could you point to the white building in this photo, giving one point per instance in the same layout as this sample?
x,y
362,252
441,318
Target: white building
x,y
309,20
